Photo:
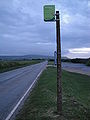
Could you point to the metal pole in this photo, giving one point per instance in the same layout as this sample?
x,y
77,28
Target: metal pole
x,y
59,86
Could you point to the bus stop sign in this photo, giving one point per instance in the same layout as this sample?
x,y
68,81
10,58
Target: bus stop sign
x,y
49,13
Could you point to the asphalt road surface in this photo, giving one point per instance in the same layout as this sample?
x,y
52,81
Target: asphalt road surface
x,y
14,84
78,68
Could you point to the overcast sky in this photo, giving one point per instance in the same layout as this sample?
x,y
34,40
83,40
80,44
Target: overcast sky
x,y
23,30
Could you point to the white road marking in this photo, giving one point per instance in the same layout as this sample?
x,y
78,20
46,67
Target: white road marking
x,y
19,102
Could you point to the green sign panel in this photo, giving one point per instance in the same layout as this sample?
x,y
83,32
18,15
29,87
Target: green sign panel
x,y
49,13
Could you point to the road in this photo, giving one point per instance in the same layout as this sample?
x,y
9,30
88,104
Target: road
x,y
78,68
14,84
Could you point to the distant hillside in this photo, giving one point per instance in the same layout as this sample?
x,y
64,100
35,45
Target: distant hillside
x,y
65,58
27,57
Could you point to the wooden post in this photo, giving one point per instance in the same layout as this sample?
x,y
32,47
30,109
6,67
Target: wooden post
x,y
59,85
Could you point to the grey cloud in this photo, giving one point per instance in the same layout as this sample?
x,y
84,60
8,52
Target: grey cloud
x,y
23,28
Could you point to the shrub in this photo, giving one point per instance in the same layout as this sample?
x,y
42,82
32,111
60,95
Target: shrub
x,y
88,62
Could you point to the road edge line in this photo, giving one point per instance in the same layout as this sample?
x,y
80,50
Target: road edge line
x,y
22,98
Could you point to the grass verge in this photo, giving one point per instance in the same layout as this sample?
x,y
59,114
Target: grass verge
x,y
50,62
41,104
10,65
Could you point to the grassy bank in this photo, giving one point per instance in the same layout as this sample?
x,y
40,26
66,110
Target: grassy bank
x,y
41,104
10,65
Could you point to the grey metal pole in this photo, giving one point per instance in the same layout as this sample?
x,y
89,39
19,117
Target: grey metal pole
x,y
59,85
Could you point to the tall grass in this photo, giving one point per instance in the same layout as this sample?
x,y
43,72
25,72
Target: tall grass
x,y
10,65
41,104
